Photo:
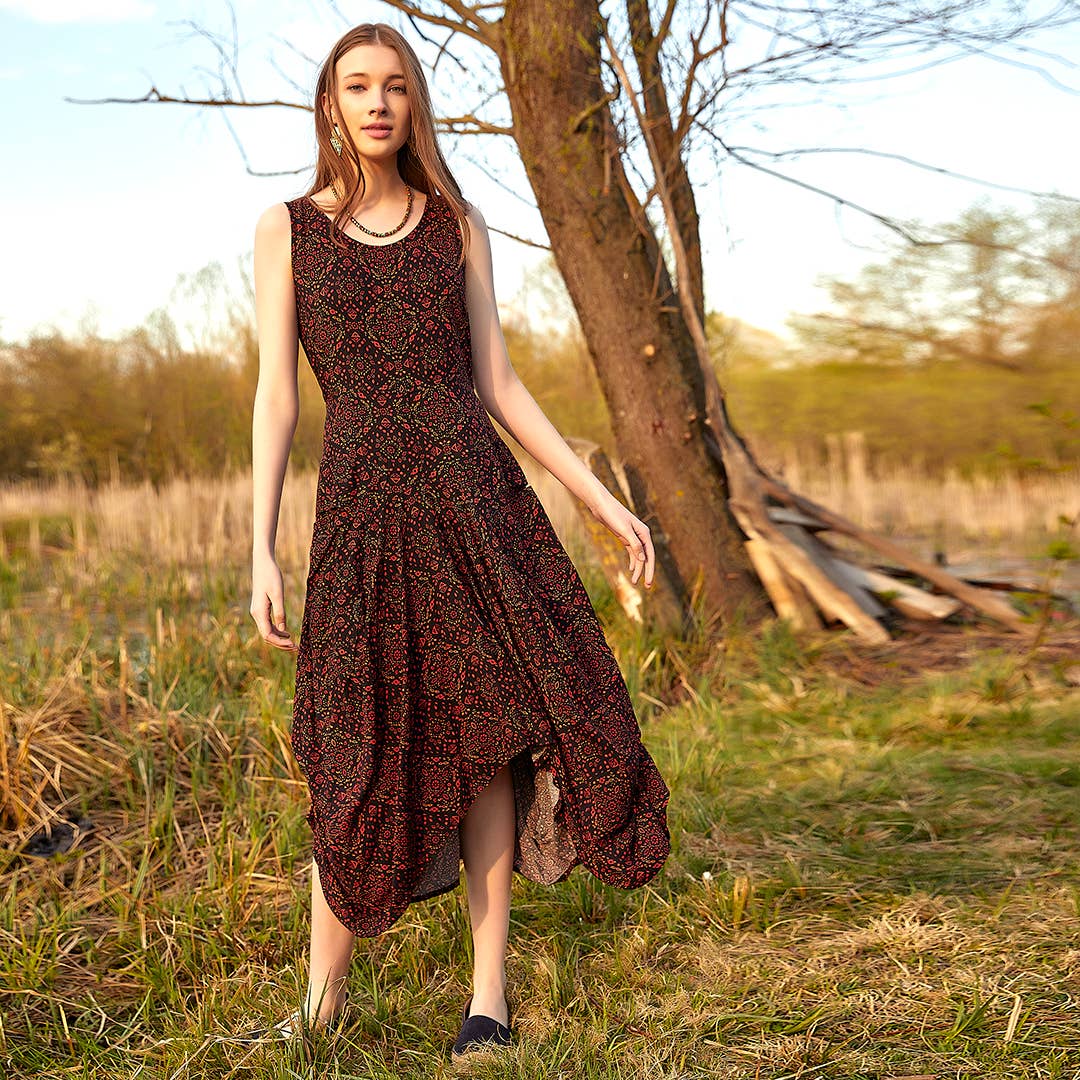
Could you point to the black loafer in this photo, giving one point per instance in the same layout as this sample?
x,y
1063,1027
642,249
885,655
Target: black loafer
x,y
479,1033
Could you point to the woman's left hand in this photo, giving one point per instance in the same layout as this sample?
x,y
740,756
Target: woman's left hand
x,y
633,532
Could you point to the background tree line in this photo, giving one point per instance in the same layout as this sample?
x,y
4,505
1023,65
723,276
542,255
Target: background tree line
x,y
960,355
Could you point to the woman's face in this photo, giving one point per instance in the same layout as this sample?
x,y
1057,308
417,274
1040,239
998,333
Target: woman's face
x,y
371,90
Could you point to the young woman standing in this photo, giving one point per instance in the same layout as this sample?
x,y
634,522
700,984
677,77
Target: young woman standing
x,y
456,699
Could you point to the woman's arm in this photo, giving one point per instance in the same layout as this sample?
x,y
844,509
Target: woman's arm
x,y
274,415
507,399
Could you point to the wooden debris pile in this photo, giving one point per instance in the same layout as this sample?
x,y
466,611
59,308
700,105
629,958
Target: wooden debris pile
x,y
809,578
802,571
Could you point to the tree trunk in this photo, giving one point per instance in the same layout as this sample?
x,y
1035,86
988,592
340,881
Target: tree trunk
x,y
608,256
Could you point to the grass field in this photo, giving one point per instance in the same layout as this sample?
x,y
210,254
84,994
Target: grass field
x,y
874,870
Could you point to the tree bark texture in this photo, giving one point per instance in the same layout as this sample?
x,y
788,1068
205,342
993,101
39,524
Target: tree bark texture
x,y
610,260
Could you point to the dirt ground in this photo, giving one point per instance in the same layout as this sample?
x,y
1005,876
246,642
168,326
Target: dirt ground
x,y
920,649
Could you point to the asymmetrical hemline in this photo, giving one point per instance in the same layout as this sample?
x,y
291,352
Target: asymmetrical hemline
x,y
445,633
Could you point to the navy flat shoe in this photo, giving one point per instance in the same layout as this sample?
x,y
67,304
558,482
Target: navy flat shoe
x,y
479,1033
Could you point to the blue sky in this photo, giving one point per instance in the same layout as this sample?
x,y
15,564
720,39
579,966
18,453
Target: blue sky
x,y
103,207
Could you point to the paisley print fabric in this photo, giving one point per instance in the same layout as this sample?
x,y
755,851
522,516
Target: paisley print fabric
x,y
445,632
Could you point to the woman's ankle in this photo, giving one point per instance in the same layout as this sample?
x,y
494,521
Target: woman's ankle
x,y
486,984
327,1003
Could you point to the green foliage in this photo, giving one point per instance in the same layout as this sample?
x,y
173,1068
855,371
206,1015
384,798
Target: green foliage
x,y
961,352
9,583
140,407
135,408
1062,548
912,415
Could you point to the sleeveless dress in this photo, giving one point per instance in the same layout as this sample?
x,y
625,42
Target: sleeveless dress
x,y
445,630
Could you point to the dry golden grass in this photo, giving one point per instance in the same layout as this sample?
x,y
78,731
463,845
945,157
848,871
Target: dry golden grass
x,y
209,519
1004,512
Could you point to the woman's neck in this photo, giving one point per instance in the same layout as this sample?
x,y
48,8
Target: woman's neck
x,y
379,184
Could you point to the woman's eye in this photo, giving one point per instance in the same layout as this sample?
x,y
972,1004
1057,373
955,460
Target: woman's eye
x,y
360,86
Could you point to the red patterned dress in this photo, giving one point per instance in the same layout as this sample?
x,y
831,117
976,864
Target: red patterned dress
x,y
445,631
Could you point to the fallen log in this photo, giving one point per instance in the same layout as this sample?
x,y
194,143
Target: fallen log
x,y
831,598
782,515
835,568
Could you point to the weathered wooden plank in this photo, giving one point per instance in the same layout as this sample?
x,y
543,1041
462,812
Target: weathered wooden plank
x,y
830,597
912,601
835,569
786,594
784,515
979,599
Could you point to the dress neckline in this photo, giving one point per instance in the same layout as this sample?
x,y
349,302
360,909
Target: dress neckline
x,y
328,218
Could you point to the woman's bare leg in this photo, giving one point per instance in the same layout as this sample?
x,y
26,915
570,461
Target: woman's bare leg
x,y
331,950
487,848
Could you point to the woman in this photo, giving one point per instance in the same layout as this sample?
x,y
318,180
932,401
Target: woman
x,y
456,699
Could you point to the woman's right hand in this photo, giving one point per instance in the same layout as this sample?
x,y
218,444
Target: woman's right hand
x,y
268,603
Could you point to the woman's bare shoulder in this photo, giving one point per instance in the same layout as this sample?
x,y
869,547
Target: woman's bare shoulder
x,y
472,212
275,220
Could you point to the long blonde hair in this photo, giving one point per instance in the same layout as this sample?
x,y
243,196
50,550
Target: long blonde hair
x,y
420,161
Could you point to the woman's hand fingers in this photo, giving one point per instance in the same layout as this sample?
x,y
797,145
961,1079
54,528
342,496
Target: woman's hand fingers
x,y
645,554
635,534
269,616
639,546
280,635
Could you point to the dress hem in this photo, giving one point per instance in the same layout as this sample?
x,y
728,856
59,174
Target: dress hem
x,y
585,859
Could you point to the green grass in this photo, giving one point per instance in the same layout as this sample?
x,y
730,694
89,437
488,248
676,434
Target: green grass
x,y
874,869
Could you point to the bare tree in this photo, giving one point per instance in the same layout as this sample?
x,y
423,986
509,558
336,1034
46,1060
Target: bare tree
x,y
606,107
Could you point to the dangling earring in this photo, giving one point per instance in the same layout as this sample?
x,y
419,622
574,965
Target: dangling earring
x,y
335,140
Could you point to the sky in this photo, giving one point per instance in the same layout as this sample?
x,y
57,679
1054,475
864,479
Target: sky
x,y
107,210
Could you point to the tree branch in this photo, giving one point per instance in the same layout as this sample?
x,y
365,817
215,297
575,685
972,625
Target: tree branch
x,y
665,25
593,107
655,113
520,239
888,222
469,22
154,96
479,127
450,124
931,340
795,152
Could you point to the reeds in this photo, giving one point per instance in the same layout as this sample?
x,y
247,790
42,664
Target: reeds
x,y
1008,509
192,521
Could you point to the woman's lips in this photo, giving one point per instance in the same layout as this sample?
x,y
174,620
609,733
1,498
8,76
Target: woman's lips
x,y
378,133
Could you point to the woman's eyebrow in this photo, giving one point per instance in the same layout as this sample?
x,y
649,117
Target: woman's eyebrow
x,y
364,75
